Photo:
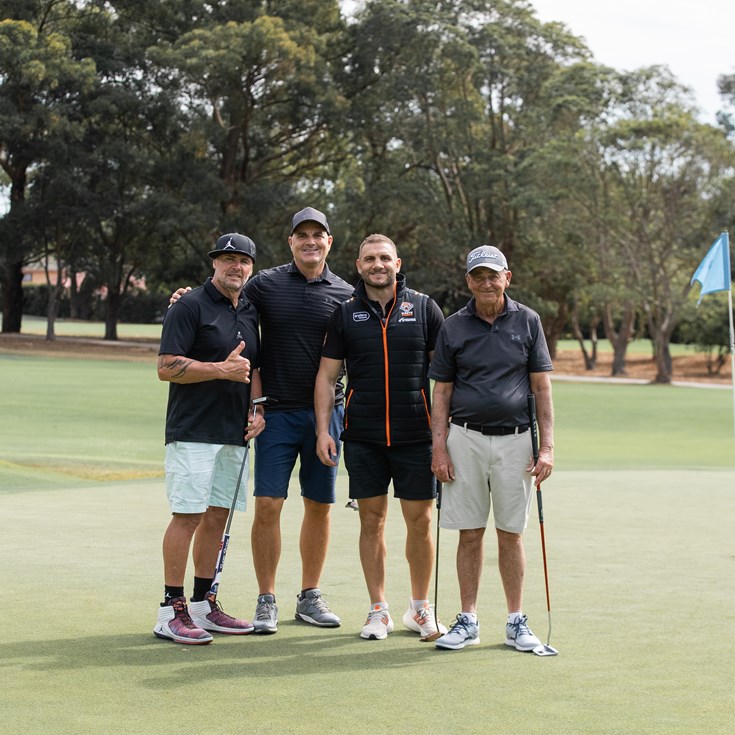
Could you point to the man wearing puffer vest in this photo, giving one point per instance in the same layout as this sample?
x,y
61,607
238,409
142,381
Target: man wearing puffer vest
x,y
385,335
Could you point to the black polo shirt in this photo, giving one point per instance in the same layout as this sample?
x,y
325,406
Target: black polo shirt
x,y
294,313
489,364
204,326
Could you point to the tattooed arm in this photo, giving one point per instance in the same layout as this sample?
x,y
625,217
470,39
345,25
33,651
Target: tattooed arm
x,y
179,369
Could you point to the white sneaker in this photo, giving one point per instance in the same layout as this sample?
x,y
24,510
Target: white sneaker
x,y
462,633
519,635
422,620
175,623
209,615
378,624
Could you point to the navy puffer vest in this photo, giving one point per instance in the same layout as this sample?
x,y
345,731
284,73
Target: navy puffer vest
x,y
387,363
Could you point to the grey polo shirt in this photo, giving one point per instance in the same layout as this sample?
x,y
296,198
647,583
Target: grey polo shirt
x,y
489,364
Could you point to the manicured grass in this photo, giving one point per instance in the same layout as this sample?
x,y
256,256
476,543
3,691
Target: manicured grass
x,y
639,517
105,420
610,426
638,563
91,419
636,347
78,328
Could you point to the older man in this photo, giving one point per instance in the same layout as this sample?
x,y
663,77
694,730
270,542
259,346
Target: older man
x,y
488,357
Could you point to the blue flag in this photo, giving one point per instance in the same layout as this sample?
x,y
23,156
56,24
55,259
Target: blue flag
x,y
714,271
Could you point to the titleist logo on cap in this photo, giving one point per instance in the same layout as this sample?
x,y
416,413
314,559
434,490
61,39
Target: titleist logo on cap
x,y
485,254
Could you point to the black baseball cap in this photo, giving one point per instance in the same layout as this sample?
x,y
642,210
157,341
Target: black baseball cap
x,y
233,243
309,214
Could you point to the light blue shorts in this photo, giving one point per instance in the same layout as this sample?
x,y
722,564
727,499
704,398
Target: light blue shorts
x,y
199,475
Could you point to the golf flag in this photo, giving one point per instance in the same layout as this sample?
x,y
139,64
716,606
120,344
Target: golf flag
x,y
713,273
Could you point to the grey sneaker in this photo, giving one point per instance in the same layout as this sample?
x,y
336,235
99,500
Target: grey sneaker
x,y
519,635
462,633
313,608
266,615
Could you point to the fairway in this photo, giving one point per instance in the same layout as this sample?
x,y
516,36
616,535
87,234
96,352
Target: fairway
x,y
639,518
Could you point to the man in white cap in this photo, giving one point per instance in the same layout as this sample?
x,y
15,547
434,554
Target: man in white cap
x,y
489,356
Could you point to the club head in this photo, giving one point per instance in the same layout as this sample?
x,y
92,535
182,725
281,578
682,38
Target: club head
x,y
431,637
545,650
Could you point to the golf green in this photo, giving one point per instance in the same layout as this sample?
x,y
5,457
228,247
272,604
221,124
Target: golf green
x,y
639,516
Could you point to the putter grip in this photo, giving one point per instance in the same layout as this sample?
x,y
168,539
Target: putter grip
x,y
534,427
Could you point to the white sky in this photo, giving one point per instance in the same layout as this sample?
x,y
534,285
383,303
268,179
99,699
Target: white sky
x,y
696,40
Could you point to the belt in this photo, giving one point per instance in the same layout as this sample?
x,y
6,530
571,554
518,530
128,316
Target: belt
x,y
491,430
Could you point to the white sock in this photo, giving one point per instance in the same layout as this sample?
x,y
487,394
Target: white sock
x,y
381,604
418,604
512,617
472,616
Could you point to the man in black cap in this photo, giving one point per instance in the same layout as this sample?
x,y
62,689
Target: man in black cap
x,y
209,356
489,356
295,301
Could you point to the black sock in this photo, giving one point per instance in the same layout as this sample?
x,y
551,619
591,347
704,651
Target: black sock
x,y
202,585
303,592
170,593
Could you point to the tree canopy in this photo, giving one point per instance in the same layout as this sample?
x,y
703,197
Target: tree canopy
x,y
132,134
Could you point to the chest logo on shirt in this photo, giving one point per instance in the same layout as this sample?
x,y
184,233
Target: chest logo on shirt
x,y
405,309
360,316
515,337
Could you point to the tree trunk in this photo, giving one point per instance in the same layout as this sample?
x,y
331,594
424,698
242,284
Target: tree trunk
x,y
590,358
619,339
664,366
55,291
12,280
114,301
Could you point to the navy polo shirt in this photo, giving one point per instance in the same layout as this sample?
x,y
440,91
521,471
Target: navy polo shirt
x,y
489,364
204,326
294,312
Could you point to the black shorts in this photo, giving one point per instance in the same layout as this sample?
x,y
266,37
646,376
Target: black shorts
x,y
371,468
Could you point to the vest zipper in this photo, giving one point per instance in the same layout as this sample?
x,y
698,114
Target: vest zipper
x,y
384,327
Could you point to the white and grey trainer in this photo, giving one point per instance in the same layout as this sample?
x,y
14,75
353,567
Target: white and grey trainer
x,y
519,635
312,608
462,633
266,615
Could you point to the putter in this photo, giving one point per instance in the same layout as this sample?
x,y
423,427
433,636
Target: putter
x,y
434,636
543,649
264,401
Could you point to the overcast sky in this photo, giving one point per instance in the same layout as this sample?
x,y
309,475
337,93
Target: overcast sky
x,y
696,40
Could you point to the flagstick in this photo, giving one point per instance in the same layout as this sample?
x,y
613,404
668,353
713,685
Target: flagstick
x,y
732,355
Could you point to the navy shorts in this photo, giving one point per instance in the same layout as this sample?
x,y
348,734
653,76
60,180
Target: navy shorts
x,y
288,436
372,467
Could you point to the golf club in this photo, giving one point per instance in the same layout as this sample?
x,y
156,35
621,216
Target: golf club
x,y
543,649
264,401
437,634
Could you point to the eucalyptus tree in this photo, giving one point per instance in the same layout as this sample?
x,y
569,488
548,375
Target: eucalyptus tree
x,y
41,84
260,89
668,174
450,99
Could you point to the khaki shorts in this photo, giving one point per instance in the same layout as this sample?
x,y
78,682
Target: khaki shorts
x,y
489,471
199,475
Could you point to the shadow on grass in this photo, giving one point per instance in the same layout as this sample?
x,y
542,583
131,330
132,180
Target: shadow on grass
x,y
292,654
